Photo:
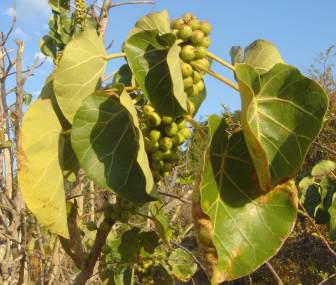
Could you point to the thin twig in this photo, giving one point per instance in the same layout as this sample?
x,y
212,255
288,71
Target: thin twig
x,y
328,279
321,146
191,254
175,197
317,230
132,2
275,274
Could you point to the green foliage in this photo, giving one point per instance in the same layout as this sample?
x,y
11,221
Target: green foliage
x,y
109,146
278,143
248,226
318,194
79,72
40,167
182,264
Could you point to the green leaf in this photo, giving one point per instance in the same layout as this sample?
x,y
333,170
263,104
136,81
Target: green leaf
x,y
48,46
305,183
282,113
109,146
153,21
149,241
130,246
182,264
162,276
248,227
79,71
155,63
262,55
40,167
332,223
160,220
311,199
324,167
198,100
123,76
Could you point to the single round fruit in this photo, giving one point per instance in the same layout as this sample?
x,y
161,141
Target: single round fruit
x,y
187,82
178,139
153,119
186,133
194,24
200,86
181,123
192,91
166,120
176,24
151,146
197,37
201,52
187,69
184,32
157,164
188,53
157,155
187,17
166,143
205,27
147,109
169,155
196,76
191,107
205,42
165,173
202,62
171,130
154,135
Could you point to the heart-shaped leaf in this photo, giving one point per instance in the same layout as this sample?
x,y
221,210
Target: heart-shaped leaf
x,y
79,71
155,63
262,55
40,167
158,21
282,113
248,227
109,146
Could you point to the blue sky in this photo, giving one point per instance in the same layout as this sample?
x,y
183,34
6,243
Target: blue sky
x,y
300,28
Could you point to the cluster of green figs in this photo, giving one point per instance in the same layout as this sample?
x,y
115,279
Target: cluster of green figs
x,y
163,135
194,38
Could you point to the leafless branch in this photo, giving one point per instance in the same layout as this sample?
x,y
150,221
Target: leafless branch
x,y
133,2
332,276
275,274
175,197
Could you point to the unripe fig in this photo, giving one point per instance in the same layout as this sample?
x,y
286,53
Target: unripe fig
x,y
166,143
181,123
191,107
186,133
196,76
200,86
194,24
157,155
187,82
171,129
157,164
188,53
169,155
178,139
153,119
201,52
205,27
202,62
165,173
151,146
187,17
166,120
154,135
186,69
167,166
192,91
148,109
197,37
176,24
184,32
205,42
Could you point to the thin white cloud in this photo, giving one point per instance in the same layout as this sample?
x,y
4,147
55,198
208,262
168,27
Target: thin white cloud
x,y
20,34
33,7
10,12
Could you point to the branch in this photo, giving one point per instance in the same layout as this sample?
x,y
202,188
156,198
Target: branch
x,y
175,197
328,279
91,261
216,75
12,26
103,17
321,146
19,90
132,2
275,274
221,61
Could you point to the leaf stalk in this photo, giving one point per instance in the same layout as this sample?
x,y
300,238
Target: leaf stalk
x,y
221,61
115,55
